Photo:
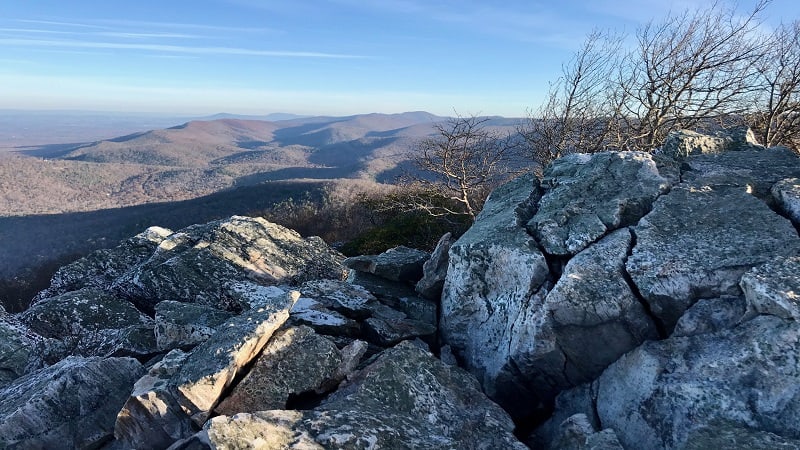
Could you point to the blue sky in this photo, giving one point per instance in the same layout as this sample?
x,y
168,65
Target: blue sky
x,y
332,57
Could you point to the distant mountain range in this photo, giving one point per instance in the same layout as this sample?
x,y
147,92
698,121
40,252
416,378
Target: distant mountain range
x,y
62,199
201,157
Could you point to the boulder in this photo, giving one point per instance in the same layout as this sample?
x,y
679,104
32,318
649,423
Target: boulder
x,y
697,243
396,264
17,348
221,263
93,322
496,277
594,315
774,288
787,196
312,313
100,268
684,143
588,196
754,171
710,315
184,325
152,417
387,332
295,361
213,365
406,398
348,299
434,270
578,433
742,381
71,404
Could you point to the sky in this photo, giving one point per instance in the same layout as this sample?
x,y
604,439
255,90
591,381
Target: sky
x,y
313,57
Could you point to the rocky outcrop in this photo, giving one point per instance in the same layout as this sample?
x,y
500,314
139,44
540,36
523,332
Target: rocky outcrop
x,y
630,301
434,270
697,243
213,365
93,322
745,379
72,404
152,417
774,288
102,267
396,264
295,361
593,312
754,171
495,277
683,143
223,264
787,195
404,399
184,325
587,196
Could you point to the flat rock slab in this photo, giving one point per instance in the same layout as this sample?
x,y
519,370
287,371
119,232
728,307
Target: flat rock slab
x,y
743,380
184,325
787,195
212,365
351,300
405,399
396,264
71,404
755,171
314,314
204,263
93,322
296,360
587,196
774,288
697,243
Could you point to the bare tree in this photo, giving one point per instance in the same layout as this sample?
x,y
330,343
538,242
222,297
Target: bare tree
x,y
777,120
690,70
576,114
459,167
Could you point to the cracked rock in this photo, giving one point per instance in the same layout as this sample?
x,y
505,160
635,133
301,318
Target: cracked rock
x,y
588,196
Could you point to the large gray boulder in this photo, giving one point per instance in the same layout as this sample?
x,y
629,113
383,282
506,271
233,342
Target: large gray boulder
x,y
594,314
495,278
212,366
774,288
698,242
222,264
587,196
755,171
93,322
787,195
406,398
740,381
72,404
295,361
100,268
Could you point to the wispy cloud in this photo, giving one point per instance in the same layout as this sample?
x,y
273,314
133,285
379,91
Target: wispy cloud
x,y
62,24
235,51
